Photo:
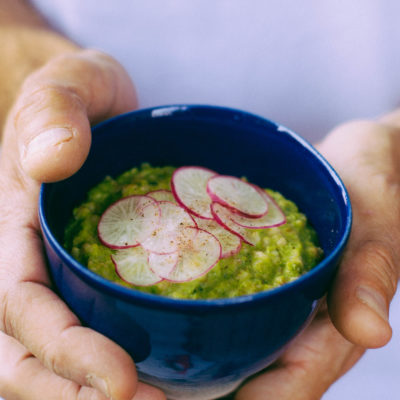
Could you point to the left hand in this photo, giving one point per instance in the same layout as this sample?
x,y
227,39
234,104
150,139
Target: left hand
x,y
45,353
355,317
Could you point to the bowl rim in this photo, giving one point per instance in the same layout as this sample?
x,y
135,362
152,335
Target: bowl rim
x,y
158,301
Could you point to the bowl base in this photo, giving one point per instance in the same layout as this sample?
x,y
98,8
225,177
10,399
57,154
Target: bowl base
x,y
181,391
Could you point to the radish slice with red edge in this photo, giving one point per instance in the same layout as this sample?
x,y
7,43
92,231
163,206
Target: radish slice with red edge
x,y
162,195
223,216
133,267
163,264
169,234
237,195
128,221
274,217
230,243
196,257
189,186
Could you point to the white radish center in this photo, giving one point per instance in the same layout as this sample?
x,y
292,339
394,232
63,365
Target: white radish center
x,y
129,221
196,258
167,237
189,186
223,216
230,243
238,195
133,267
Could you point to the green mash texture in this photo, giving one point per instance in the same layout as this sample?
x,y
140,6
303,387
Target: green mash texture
x,y
281,254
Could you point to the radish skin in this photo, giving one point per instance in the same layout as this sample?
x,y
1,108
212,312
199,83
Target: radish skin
x,y
223,216
196,258
237,195
189,187
162,195
163,264
230,243
274,217
133,267
179,235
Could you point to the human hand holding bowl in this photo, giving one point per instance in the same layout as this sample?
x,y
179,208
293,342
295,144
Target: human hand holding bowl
x,y
45,353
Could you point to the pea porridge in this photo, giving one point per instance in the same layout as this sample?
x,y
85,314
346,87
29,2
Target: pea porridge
x,y
232,239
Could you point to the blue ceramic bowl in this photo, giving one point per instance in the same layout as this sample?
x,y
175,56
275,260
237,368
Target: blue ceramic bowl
x,y
200,349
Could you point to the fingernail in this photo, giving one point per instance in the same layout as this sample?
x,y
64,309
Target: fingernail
x,y
46,139
373,300
98,383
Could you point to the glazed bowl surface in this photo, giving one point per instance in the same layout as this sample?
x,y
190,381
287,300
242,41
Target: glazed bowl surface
x,y
200,349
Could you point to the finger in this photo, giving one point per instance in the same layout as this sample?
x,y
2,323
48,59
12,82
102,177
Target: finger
x,y
23,377
39,320
51,116
54,336
310,365
361,294
146,392
392,118
367,279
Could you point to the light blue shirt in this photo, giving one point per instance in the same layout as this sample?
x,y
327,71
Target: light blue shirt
x,y
310,64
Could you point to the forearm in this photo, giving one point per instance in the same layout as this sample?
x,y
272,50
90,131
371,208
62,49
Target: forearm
x,y
26,43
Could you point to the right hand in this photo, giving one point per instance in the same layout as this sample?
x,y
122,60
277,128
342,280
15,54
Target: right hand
x,y
45,353
366,154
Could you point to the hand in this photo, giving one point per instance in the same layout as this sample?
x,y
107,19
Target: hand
x,y
367,157
44,351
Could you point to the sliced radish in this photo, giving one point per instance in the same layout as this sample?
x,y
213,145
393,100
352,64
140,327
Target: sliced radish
x,y
133,267
180,235
223,216
274,217
162,195
230,243
168,235
237,195
196,257
189,186
128,221
163,264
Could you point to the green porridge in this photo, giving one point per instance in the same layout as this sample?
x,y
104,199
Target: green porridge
x,y
280,254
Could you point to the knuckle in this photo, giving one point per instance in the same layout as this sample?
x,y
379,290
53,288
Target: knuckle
x,y
384,272
69,391
360,126
54,354
13,361
104,80
40,96
81,72
10,308
49,357
85,393
4,297
44,100
99,55
388,183
88,80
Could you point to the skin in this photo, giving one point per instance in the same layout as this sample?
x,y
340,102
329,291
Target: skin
x,y
57,91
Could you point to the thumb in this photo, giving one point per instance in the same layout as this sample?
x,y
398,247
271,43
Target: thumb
x,y
365,155
360,297
51,118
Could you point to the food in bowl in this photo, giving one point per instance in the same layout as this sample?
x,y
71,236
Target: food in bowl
x,y
242,239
